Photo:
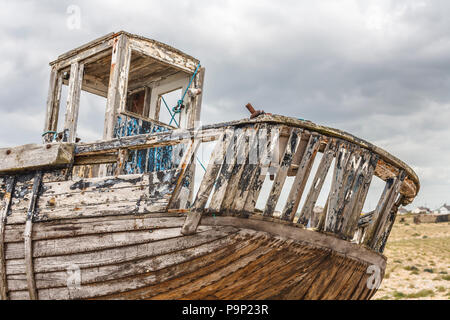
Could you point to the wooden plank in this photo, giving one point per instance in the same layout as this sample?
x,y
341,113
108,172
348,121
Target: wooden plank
x,y
386,200
214,165
359,194
93,242
51,104
5,207
388,225
336,185
185,183
301,177
94,226
286,160
144,141
27,237
267,143
165,264
73,100
164,54
344,193
250,169
118,82
242,157
319,179
379,224
221,183
117,256
34,156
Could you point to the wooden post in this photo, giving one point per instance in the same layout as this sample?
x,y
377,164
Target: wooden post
x,y
215,162
6,204
73,100
54,94
118,84
28,242
383,208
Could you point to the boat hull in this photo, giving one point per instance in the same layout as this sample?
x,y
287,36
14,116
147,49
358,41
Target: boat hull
x,y
147,257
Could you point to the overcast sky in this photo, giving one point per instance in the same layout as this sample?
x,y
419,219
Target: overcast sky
x,y
377,69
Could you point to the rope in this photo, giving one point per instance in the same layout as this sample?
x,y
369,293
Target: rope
x,y
177,108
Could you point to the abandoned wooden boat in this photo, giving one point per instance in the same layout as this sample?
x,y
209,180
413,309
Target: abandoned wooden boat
x,y
120,218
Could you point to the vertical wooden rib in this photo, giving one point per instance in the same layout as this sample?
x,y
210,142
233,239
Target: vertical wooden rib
x,y
359,193
331,219
27,237
267,142
220,186
311,199
236,174
217,158
301,177
250,169
383,207
180,195
280,178
389,224
118,84
383,217
352,182
73,99
5,207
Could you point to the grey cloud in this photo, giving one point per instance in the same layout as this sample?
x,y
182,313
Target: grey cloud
x,y
378,69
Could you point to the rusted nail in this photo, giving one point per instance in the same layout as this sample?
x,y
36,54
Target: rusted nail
x,y
8,151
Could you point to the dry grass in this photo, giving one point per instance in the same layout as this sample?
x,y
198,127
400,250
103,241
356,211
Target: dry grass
x,y
418,264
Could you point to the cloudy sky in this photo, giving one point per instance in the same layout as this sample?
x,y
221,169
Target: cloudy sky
x,y
377,69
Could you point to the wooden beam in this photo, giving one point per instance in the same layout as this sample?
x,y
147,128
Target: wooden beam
x,y
286,160
73,100
301,177
28,242
5,207
383,207
317,184
216,161
118,84
34,156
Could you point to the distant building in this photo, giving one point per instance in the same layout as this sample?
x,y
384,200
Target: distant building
x,y
444,209
402,211
421,210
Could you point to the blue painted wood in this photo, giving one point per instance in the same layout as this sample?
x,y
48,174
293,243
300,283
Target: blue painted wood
x,y
146,160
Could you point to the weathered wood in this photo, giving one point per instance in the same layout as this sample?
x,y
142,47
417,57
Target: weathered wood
x,y
216,161
134,268
5,207
301,177
359,194
73,100
163,53
382,219
27,237
223,178
250,168
349,188
94,226
120,255
319,179
33,156
388,225
118,82
337,182
267,142
383,207
286,160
